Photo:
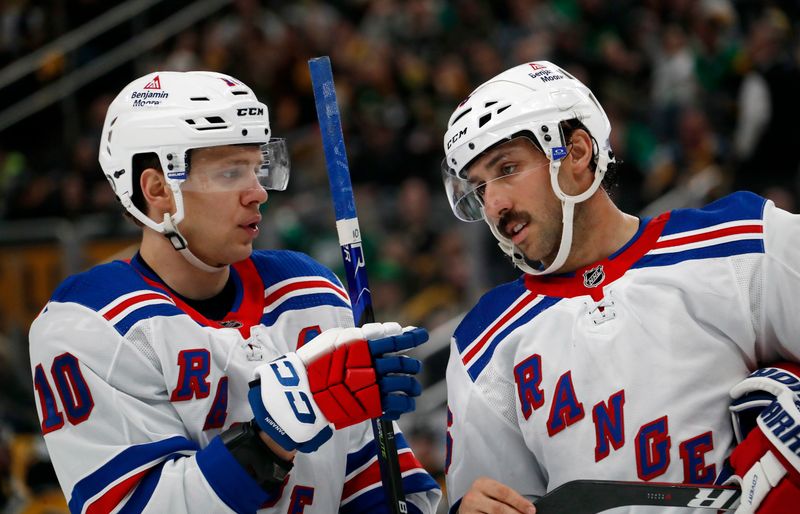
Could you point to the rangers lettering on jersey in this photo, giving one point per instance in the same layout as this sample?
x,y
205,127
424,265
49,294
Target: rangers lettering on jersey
x,y
686,303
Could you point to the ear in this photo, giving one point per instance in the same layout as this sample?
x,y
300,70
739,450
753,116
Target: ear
x,y
578,160
156,192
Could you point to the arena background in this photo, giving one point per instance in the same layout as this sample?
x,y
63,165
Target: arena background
x,y
702,96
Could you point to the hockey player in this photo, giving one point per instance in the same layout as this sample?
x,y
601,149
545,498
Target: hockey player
x,y
617,352
202,376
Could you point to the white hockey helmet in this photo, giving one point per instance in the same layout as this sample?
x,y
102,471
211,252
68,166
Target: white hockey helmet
x,y
531,99
169,113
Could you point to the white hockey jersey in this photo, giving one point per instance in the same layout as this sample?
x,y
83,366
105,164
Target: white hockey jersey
x,y
133,386
621,370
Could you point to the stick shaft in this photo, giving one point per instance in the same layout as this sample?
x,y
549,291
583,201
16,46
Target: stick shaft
x,y
353,255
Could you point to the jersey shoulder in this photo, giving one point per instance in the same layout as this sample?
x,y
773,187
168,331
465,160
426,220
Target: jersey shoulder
x,y
497,314
727,228
116,292
489,308
738,208
294,281
103,285
276,266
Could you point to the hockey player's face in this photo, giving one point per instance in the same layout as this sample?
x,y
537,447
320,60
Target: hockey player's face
x,y
513,182
222,198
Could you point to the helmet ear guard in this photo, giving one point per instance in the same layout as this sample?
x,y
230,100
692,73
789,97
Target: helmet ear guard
x,y
536,98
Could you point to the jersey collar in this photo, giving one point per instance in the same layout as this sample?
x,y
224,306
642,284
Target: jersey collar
x,y
590,280
248,305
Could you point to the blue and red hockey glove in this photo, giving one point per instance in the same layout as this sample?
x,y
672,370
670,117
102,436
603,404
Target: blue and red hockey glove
x,y
766,417
341,377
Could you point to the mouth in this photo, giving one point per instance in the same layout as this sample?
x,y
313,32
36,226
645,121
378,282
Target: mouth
x,y
251,225
514,227
518,232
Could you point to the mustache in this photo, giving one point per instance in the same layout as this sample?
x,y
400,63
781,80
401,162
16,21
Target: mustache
x,y
511,219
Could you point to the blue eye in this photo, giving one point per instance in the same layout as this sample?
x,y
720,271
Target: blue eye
x,y
231,174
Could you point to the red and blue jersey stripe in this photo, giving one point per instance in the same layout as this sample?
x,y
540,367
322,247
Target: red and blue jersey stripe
x,y
267,285
363,491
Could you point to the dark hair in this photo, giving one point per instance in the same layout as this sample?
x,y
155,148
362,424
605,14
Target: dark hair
x,y
568,127
139,163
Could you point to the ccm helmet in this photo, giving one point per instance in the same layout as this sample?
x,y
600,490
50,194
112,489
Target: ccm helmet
x,y
169,113
531,99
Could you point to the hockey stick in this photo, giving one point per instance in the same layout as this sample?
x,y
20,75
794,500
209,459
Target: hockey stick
x,y
591,496
352,253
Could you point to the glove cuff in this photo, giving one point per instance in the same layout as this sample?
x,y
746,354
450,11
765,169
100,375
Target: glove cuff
x,y
284,408
780,423
266,423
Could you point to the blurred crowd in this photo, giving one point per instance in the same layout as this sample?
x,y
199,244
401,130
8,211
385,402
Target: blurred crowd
x,y
702,96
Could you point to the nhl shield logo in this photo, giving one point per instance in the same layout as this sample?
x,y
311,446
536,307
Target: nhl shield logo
x,y
594,277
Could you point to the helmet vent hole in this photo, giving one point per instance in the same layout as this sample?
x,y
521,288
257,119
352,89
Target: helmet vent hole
x,y
461,116
489,104
239,92
484,119
207,123
113,121
199,99
501,109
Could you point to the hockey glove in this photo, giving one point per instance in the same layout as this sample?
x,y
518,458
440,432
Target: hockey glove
x,y
341,377
766,419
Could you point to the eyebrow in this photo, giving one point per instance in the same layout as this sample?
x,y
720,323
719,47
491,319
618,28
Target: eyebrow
x,y
494,160
243,161
488,166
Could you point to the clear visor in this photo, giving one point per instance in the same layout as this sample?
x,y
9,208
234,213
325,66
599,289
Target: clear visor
x,y
507,159
239,168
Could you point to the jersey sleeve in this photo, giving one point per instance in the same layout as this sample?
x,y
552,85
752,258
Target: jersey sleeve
x,y
363,492
114,442
775,301
481,442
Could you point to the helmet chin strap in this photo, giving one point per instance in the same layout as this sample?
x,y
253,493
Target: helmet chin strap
x,y
179,242
567,218
518,257
169,228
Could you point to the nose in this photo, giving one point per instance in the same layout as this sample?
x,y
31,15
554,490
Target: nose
x,y
496,199
256,194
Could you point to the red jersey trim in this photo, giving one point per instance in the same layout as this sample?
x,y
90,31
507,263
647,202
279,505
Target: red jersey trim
x,y
613,268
